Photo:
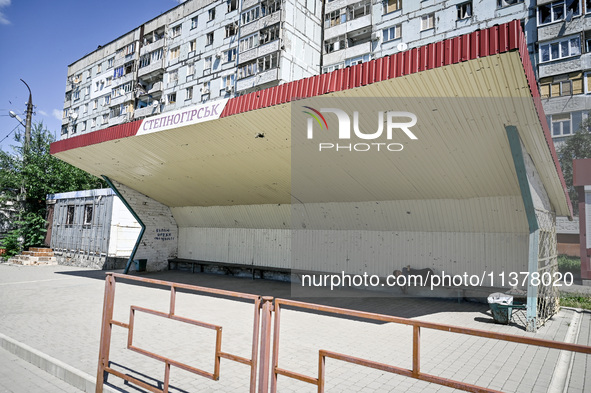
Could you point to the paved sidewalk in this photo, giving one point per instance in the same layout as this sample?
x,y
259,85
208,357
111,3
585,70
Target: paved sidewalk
x,y
57,310
19,376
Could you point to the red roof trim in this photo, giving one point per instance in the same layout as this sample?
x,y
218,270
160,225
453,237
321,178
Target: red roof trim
x,y
104,135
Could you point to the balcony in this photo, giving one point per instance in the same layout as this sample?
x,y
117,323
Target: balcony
x,y
562,66
258,79
260,23
125,59
348,53
156,66
341,29
121,99
262,50
124,79
152,47
157,87
146,111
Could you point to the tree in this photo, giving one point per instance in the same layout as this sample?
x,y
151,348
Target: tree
x,y
34,174
576,147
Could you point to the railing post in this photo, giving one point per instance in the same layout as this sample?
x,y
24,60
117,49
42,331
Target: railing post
x,y
416,351
267,305
105,344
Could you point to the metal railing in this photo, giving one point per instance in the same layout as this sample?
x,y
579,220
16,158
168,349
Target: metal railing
x,y
263,317
108,322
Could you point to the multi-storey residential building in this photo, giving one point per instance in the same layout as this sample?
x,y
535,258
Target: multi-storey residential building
x,y
198,51
206,50
564,63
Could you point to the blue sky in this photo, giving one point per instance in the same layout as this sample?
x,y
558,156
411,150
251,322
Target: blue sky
x,y
39,38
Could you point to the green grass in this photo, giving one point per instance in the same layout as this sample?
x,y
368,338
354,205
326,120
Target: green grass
x,y
575,300
569,264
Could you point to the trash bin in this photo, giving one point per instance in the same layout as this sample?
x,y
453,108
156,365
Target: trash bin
x,y
140,265
498,303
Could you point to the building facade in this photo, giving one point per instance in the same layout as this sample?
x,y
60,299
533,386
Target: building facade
x,y
208,50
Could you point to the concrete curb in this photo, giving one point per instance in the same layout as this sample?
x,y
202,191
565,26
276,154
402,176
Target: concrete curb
x,y
55,367
561,375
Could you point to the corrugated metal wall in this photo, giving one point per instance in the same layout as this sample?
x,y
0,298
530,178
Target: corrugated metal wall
x,y
92,239
455,236
354,251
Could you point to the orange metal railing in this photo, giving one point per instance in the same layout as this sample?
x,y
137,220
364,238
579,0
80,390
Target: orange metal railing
x,y
108,322
415,372
262,361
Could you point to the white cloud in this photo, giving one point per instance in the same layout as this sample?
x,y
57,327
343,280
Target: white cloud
x,y
42,113
3,20
56,112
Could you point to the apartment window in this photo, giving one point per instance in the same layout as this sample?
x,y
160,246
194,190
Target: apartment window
x,y
118,72
250,15
334,44
99,68
270,6
588,7
82,126
109,80
105,118
392,5
66,113
194,22
267,62
171,98
561,124
190,70
176,31
95,103
231,29
70,215
358,10
211,14
207,64
269,34
78,78
209,39
193,46
189,93
88,209
560,49
84,108
230,55
427,22
106,99
227,82
145,61
76,94
562,85
173,77
392,33
506,3
93,122
129,49
232,5
558,10
334,18
175,53
332,67
110,62
88,75
205,91
87,90
246,70
249,42
357,60
464,10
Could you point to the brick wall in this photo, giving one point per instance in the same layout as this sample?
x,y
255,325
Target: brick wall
x,y
161,235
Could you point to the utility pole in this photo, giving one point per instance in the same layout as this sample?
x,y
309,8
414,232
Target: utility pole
x,y
29,118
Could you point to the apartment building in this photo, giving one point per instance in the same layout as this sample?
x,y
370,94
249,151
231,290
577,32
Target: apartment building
x,y
198,51
205,50
564,63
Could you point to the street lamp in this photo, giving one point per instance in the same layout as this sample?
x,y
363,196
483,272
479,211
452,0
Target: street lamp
x,y
18,118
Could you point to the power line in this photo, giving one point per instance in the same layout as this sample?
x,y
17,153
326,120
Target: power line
x,y
17,126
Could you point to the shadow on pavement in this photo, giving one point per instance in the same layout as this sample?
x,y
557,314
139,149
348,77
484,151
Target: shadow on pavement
x,y
396,304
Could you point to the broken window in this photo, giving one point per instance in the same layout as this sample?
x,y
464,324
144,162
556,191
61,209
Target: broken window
x,y
88,210
269,34
464,10
70,215
392,5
